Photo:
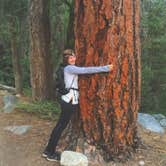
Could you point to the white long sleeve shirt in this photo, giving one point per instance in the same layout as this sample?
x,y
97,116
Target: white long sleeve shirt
x,y
71,73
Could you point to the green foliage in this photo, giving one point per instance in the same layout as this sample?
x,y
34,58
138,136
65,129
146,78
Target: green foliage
x,y
59,17
147,100
6,74
26,71
46,109
13,18
17,12
153,56
27,91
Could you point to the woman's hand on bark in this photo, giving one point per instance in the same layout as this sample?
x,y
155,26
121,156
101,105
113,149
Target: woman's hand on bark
x,y
110,67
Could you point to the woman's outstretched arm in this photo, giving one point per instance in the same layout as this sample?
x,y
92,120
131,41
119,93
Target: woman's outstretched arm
x,y
88,70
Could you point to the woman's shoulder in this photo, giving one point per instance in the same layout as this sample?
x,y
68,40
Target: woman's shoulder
x,y
69,67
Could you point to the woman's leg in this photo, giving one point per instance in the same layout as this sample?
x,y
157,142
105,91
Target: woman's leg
x,y
65,116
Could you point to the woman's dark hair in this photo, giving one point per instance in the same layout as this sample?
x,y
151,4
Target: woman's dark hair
x,y
66,54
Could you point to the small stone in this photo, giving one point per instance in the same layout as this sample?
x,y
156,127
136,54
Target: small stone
x,y
19,130
156,137
141,163
140,157
18,95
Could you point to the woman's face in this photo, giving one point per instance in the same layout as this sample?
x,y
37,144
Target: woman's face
x,y
72,59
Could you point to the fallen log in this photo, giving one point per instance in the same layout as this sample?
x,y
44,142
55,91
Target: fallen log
x,y
8,88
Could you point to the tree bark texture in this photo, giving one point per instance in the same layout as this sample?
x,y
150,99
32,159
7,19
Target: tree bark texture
x,y
40,58
16,60
107,32
70,27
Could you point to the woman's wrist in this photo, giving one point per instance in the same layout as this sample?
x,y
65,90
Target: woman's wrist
x,y
110,67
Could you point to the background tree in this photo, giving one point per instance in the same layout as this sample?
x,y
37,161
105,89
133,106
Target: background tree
x,y
70,27
16,58
12,18
40,57
17,10
59,20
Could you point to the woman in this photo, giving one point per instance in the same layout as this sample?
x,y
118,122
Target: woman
x,y
69,102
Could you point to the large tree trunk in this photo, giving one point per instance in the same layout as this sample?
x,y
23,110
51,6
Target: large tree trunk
x,y
40,58
107,31
105,128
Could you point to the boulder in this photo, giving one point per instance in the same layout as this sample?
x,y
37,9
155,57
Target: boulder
x,y
150,123
9,102
70,158
159,116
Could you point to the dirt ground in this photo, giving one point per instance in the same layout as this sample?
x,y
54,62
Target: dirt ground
x,y
25,150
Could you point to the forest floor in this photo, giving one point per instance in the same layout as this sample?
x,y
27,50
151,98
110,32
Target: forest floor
x,y
26,149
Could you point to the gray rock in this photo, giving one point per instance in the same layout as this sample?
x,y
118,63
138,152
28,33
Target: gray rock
x,y
163,123
150,123
9,102
159,116
8,108
70,158
19,130
10,99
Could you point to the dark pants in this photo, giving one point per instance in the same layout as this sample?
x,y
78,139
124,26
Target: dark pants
x,y
67,110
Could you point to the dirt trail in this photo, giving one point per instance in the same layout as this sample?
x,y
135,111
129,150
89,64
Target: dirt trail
x,y
26,149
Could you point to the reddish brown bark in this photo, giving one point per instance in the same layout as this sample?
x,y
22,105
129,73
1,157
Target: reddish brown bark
x,y
107,31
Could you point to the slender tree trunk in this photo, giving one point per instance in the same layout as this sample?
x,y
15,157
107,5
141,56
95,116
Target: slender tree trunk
x,y
1,9
40,58
107,31
70,28
1,50
16,60
58,35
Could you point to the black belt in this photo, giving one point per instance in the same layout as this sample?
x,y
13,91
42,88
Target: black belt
x,y
74,89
